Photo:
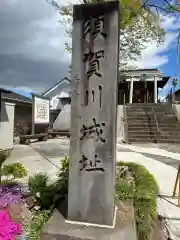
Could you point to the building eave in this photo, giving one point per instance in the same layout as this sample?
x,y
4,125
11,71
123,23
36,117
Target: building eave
x,y
15,100
56,85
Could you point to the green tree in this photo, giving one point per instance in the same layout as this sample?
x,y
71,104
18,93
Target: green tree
x,y
139,24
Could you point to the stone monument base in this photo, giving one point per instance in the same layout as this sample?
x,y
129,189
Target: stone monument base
x,y
57,228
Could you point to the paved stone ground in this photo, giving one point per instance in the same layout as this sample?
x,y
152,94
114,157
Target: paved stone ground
x,y
167,160
161,160
53,150
165,153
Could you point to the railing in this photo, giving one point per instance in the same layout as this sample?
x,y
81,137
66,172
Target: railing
x,y
149,120
157,124
125,124
176,185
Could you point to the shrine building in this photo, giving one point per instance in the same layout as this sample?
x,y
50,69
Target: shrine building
x,y
140,86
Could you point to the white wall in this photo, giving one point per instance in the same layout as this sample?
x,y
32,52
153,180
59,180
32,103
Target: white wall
x,y
62,121
176,108
6,125
59,92
120,123
55,102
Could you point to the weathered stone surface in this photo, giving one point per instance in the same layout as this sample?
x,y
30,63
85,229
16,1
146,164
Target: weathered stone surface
x,y
93,114
58,229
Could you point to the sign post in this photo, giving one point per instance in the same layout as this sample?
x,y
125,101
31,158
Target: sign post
x,y
40,111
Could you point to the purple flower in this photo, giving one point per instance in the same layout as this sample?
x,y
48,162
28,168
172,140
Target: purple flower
x,y
9,195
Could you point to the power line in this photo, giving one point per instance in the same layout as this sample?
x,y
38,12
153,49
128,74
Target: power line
x,y
177,66
177,55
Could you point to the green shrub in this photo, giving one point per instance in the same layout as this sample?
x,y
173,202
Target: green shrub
x,y
4,154
48,195
38,182
144,194
17,170
63,176
37,223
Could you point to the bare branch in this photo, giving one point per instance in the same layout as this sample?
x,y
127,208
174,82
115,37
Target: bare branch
x,y
54,4
158,7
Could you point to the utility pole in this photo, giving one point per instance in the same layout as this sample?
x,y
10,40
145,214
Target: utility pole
x,y
176,70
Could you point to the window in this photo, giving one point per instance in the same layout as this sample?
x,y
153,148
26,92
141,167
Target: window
x,y
66,101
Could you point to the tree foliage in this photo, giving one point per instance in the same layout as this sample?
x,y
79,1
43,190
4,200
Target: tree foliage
x,y
139,24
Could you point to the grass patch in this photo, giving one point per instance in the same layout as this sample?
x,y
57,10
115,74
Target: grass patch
x,y
143,191
37,223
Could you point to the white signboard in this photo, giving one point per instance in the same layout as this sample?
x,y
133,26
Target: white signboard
x,y
41,110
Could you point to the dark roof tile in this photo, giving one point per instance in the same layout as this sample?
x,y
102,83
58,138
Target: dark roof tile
x,y
15,97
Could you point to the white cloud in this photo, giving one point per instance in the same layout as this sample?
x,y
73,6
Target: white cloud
x,y
170,22
154,56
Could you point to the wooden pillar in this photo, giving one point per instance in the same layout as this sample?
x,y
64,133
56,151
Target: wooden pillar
x,y
131,91
33,123
155,90
145,92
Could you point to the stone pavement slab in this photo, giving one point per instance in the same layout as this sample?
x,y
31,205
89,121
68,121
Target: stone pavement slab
x,y
53,150
167,207
32,161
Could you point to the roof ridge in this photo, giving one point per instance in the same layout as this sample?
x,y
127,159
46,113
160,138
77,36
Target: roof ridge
x,y
65,78
11,95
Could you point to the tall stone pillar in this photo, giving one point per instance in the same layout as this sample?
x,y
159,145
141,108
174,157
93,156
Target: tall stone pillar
x,y
91,193
155,90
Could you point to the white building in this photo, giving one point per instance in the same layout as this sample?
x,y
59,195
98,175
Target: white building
x,y
60,100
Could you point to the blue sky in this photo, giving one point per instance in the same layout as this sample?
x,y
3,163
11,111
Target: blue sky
x,y
163,57
26,93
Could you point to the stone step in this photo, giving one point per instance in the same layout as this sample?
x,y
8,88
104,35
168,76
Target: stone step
x,y
154,132
153,128
137,115
141,118
160,110
143,113
150,105
152,122
150,140
157,137
148,108
134,140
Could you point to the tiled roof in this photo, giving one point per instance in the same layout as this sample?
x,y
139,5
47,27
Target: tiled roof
x,y
14,97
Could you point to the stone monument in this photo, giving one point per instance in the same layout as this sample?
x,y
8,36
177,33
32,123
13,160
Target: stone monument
x,y
92,171
95,58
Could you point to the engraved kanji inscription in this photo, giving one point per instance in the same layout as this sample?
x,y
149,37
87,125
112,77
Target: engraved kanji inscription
x,y
91,165
95,26
92,58
94,130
